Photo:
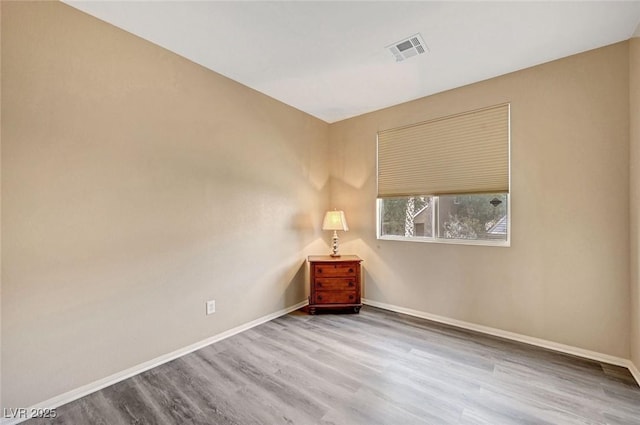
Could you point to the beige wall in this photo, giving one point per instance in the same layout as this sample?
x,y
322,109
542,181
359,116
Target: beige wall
x,y
136,186
634,137
565,277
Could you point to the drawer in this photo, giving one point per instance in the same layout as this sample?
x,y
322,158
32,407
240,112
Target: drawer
x,y
335,283
336,297
348,269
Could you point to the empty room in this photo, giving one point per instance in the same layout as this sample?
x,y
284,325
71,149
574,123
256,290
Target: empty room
x,y
319,212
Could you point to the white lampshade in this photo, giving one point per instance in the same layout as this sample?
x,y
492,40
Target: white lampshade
x,y
335,220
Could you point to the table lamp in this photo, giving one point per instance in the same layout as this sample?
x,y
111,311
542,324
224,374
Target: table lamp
x,y
335,220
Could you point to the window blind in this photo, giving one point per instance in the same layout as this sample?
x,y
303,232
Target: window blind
x,y
463,153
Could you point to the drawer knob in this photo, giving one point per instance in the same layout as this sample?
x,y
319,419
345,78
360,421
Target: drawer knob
x,y
319,297
319,269
350,283
319,285
350,270
350,297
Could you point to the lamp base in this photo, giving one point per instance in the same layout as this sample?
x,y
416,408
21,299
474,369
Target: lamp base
x,y
334,241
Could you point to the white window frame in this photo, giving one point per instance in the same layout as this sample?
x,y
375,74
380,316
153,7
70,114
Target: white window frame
x,y
436,231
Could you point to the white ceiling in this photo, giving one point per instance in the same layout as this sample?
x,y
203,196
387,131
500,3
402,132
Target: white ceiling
x,y
329,58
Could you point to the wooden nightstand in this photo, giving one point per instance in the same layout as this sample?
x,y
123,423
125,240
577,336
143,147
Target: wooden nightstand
x,y
335,283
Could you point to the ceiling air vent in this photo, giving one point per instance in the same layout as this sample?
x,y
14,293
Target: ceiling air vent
x,y
411,46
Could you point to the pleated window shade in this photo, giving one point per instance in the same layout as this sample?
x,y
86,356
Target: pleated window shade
x,y
463,153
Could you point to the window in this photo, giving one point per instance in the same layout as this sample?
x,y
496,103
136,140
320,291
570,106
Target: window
x,y
446,180
474,218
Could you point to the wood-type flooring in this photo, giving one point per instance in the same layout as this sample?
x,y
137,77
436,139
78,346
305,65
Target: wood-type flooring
x,y
376,367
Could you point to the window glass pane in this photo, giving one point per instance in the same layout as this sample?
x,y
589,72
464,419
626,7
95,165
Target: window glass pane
x,y
411,216
478,217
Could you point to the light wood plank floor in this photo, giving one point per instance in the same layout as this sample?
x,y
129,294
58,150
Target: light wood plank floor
x,y
377,367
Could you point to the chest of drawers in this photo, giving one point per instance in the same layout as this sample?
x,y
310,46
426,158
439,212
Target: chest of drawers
x,y
335,283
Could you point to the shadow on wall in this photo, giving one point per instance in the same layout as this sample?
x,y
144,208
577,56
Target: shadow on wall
x,y
295,284
306,226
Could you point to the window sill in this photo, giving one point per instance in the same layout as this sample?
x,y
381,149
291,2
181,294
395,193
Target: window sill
x,y
502,244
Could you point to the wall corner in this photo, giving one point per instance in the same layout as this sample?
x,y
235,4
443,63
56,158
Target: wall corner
x,y
634,195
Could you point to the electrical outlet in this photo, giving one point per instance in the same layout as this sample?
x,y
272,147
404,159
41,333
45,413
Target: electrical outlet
x,y
211,307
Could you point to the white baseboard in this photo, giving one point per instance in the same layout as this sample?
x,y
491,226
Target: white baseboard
x,y
562,348
142,367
